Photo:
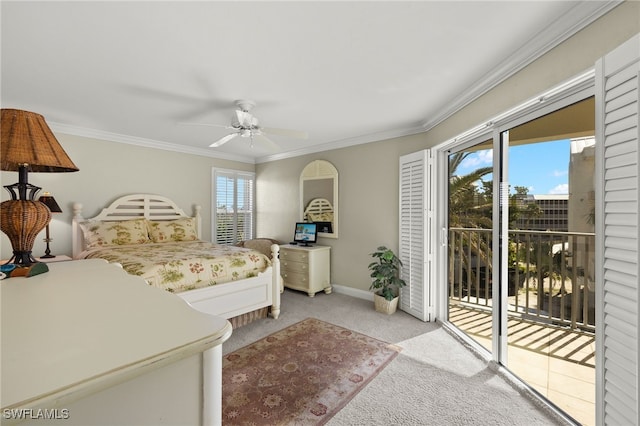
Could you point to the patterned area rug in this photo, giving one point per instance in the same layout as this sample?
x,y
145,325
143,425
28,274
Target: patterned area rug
x,y
303,374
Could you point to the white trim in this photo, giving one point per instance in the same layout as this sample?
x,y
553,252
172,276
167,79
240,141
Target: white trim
x,y
344,143
147,143
570,91
353,292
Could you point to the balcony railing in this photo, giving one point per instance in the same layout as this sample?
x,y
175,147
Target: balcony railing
x,y
550,278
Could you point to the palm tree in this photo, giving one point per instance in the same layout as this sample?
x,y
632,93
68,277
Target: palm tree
x,y
471,208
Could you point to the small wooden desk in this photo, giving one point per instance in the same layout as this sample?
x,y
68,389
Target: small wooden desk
x,y
90,344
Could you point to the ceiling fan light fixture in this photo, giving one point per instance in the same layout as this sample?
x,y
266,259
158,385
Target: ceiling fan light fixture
x,y
246,125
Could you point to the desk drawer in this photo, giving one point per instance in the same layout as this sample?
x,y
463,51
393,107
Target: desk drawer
x,y
294,256
290,266
295,279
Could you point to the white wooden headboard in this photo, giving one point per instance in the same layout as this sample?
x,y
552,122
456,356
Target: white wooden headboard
x,y
317,206
133,206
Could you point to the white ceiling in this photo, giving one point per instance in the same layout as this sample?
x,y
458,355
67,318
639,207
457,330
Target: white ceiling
x,y
345,72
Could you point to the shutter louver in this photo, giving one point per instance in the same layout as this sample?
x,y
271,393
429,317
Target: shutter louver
x,y
414,298
234,204
245,207
619,78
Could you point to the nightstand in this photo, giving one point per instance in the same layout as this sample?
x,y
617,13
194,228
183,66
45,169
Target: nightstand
x,y
306,268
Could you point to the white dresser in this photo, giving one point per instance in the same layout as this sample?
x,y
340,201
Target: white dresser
x,y
87,343
306,268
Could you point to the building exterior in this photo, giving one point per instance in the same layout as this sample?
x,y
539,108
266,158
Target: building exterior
x,y
553,213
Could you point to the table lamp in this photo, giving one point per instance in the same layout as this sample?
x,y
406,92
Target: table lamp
x,y
27,144
50,202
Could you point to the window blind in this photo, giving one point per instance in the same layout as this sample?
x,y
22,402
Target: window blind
x,y
234,200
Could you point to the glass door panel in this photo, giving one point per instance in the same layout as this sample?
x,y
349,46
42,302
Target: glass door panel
x,y
470,197
550,258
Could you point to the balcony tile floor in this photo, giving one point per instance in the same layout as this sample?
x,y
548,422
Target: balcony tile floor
x,y
559,363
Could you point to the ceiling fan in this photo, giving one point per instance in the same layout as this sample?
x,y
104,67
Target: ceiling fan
x,y
246,125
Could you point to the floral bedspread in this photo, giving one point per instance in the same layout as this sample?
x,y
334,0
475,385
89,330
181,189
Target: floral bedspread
x,y
186,265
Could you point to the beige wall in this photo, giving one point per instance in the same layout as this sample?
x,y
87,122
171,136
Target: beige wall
x,y
109,170
368,187
367,200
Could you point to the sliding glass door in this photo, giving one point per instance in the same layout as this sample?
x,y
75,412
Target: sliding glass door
x,y
520,241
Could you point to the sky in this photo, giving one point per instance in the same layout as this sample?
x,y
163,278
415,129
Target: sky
x,y
543,167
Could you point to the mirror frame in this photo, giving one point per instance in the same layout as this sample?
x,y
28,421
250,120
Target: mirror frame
x,y
315,170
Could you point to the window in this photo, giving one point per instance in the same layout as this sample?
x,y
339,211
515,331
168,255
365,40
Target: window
x,y
234,201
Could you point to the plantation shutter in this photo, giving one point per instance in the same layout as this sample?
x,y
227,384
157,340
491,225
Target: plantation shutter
x,y
415,241
244,203
234,206
617,98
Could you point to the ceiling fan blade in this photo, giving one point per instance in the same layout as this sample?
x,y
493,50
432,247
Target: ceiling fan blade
x,y
297,134
274,146
206,124
223,140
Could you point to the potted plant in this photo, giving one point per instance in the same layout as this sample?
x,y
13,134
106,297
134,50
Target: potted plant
x,y
386,281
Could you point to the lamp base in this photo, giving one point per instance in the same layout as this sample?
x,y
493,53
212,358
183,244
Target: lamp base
x,y
22,220
22,258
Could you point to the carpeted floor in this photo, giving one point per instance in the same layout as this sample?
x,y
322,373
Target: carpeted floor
x,y
303,374
435,380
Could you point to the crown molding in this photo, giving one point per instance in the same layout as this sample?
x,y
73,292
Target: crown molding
x,y
565,26
147,143
343,143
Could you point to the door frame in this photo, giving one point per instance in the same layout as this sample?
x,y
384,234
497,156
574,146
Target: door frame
x,y
574,90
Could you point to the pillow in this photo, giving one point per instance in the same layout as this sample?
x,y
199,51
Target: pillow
x,y
117,233
320,217
173,230
263,245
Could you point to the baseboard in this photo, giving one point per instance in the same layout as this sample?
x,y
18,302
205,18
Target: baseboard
x,y
353,292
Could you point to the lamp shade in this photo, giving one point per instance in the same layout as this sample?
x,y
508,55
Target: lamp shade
x,y
48,200
27,144
28,140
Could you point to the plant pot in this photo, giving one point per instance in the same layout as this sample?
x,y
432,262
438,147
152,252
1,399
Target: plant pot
x,y
385,306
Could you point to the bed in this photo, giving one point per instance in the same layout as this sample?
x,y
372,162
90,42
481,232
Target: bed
x,y
150,236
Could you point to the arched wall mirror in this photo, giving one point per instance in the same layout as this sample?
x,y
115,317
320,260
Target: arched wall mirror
x,y
319,197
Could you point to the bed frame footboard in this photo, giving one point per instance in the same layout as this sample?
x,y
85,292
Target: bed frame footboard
x,y
235,298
